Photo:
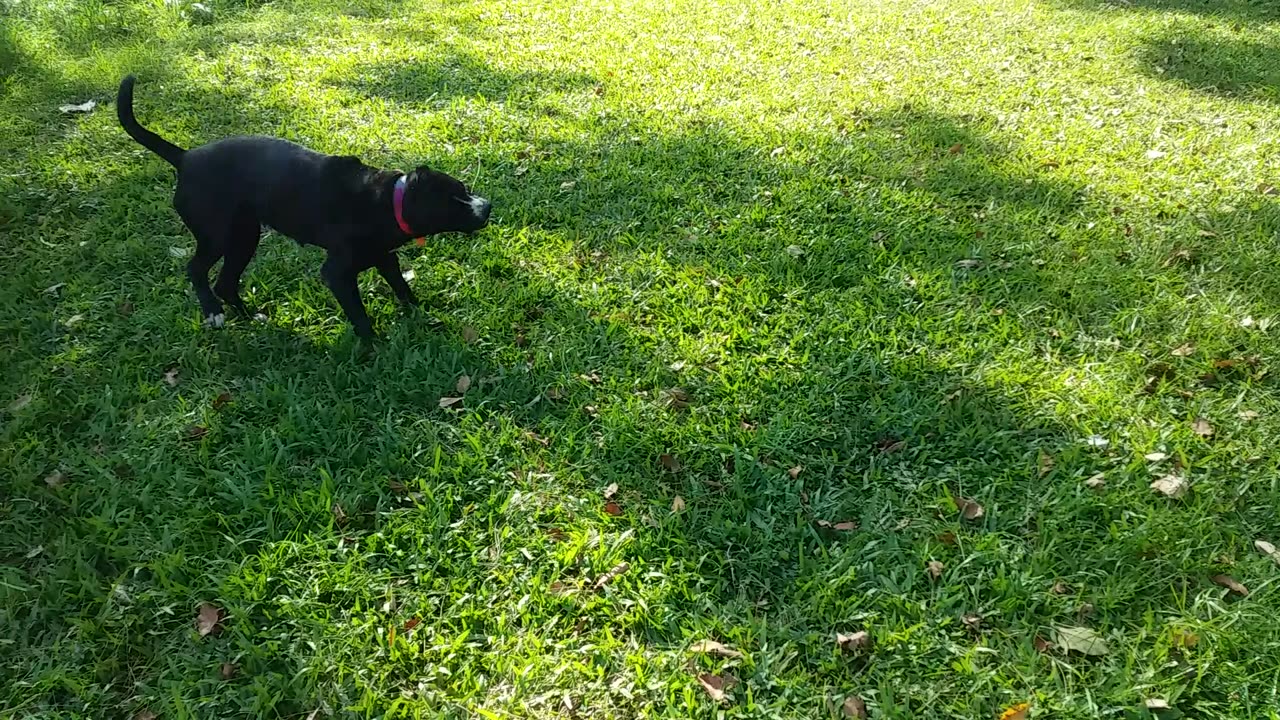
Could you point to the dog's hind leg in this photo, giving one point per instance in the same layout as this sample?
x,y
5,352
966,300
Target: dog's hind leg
x,y
211,243
242,243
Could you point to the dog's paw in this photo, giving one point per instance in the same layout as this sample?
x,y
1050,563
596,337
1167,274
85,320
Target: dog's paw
x,y
215,320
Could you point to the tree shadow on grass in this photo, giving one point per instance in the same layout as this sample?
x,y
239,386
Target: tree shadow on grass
x,y
455,74
1216,61
1242,10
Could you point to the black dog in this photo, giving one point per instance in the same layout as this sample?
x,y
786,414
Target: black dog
x,y
229,189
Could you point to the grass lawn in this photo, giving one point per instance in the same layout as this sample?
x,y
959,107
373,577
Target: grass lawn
x,y
795,319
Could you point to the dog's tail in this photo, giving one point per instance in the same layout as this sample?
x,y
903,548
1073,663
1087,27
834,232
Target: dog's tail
x,y
149,140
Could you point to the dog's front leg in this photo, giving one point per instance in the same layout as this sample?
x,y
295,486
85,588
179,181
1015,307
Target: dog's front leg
x,y
340,275
389,268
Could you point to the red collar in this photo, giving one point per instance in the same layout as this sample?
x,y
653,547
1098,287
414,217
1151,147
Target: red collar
x,y
397,204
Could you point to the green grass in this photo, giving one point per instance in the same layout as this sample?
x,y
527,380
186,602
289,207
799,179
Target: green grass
x,y
910,248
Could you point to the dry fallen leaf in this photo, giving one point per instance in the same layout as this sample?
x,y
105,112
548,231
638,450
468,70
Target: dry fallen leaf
x,y
195,432
795,471
448,402
1202,427
55,479
972,621
208,619
227,670
854,642
1015,712
969,508
84,107
1184,639
144,714
845,526
1265,548
669,462
610,491
969,264
1249,415
946,538
1183,350
20,402
1081,640
470,334
221,401
1155,456
934,568
463,384
171,377
339,515
854,707
677,505
612,508
1060,588
716,686
1231,584
1096,482
1045,463
1041,645
711,647
1172,485
957,149
1156,704
559,588
411,623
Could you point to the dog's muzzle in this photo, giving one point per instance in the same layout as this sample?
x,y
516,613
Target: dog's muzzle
x,y
480,208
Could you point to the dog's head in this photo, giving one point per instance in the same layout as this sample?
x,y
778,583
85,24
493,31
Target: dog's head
x,y
435,203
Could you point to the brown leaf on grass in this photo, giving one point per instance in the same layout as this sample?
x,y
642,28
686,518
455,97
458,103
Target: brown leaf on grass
x,y
1060,588
1231,584
1184,639
843,526
144,714
854,707
889,446
957,149
1172,485
612,575
463,384
854,642
1155,456
1201,427
669,462
1156,704
448,402
934,568
397,487
208,619
612,508
171,377
971,621
560,588
193,433
1249,415
716,686
221,401
968,507
1041,645
554,393
1045,463
677,504
1183,350
711,647
610,491
556,535
227,670
339,515
677,398
946,538
55,479
470,334
795,471
1096,482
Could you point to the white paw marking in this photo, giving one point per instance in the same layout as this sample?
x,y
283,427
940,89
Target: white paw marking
x,y
215,320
